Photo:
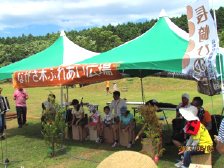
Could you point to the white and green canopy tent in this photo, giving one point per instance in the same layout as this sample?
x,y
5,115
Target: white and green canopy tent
x,y
62,52
161,48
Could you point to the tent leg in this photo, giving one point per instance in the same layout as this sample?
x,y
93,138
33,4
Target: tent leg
x,y
67,93
142,86
61,97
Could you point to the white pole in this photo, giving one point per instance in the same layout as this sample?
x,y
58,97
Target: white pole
x,y
61,97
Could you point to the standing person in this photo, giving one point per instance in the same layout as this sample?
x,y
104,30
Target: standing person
x,y
108,87
20,96
115,86
116,105
2,121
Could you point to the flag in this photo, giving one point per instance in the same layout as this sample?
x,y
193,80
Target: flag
x,y
199,60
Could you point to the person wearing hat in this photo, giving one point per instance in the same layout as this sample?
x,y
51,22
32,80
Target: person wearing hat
x,y
96,123
2,120
199,142
178,123
127,123
78,118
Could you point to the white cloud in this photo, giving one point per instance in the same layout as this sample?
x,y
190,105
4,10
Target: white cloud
x,y
83,13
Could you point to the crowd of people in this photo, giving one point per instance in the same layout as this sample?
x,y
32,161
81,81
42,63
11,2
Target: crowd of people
x,y
191,127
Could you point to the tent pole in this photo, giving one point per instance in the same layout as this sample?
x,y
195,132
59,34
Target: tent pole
x,y
61,97
141,86
67,93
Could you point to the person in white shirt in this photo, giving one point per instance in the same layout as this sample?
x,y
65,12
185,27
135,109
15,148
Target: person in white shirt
x,y
107,121
116,105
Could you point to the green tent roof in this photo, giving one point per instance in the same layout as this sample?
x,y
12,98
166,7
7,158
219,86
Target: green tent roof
x,y
62,52
159,49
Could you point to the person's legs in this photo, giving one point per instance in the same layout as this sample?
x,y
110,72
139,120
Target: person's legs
x,y
18,111
115,128
81,125
80,131
24,111
174,132
131,133
1,124
178,139
188,154
116,143
87,128
130,130
98,129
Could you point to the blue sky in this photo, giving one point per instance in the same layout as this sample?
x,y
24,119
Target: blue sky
x,y
40,17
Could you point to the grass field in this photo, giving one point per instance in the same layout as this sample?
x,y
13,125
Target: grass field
x,y
27,144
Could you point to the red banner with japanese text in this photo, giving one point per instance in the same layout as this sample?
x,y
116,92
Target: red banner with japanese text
x,y
199,60
65,75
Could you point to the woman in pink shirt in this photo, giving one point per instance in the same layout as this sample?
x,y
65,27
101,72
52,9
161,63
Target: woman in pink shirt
x,y
20,96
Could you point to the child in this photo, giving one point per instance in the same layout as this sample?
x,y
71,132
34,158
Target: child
x,y
115,86
107,121
156,159
127,123
77,117
95,115
199,142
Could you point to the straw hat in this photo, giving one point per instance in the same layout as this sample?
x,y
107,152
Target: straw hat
x,y
189,113
127,159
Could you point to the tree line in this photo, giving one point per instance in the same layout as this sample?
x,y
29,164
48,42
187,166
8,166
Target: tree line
x,y
94,39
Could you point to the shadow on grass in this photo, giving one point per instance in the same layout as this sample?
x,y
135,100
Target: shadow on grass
x,y
33,130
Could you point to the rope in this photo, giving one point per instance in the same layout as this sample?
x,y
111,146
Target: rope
x,y
86,157
94,151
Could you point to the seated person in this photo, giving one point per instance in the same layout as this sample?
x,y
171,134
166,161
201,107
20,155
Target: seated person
x,y
95,116
116,105
107,121
178,123
77,118
126,122
220,139
48,105
203,116
199,136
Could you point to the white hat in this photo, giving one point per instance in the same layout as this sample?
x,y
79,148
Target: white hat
x,y
186,95
189,113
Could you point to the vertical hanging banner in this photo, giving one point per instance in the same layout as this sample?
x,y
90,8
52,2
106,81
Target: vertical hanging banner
x,y
199,60
65,75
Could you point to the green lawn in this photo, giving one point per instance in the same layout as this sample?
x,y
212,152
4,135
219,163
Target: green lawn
x,y
27,144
